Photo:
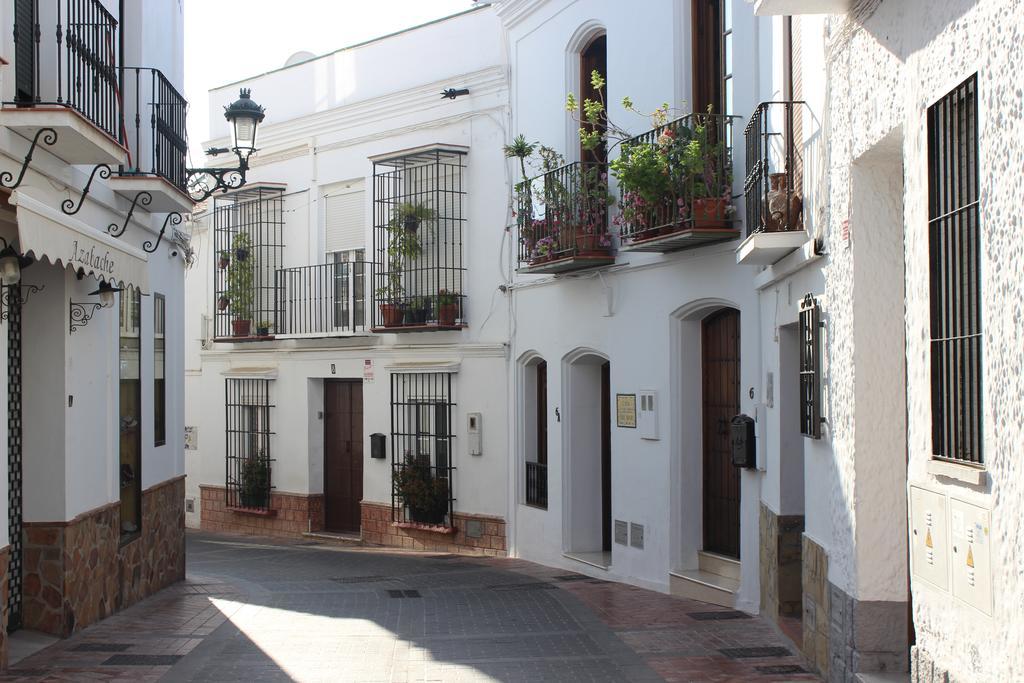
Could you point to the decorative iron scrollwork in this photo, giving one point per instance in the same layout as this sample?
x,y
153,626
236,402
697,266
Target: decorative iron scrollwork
x,y
24,291
205,182
49,138
68,205
145,199
173,218
81,313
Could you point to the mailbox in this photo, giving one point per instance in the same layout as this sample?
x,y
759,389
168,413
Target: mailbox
x,y
744,447
378,448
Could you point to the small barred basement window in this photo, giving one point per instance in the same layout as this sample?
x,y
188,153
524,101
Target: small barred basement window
x,y
954,247
418,227
248,462
248,231
421,448
810,368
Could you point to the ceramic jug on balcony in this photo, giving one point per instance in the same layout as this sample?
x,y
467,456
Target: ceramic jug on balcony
x,y
784,205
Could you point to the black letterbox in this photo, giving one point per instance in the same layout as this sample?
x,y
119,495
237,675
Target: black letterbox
x,y
744,449
377,446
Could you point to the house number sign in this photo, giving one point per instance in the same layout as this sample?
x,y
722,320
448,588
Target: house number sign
x,y
625,410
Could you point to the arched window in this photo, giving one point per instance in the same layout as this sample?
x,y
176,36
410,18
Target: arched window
x,y
594,57
535,437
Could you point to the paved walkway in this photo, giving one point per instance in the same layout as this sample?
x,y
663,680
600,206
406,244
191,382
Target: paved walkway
x,y
260,610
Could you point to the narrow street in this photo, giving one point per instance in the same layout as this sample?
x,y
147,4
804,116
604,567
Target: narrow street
x,y
262,610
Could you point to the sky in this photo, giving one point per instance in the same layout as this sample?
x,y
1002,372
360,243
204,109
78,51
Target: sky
x,y
228,40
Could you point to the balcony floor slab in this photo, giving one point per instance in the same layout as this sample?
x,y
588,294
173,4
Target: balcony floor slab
x,y
566,265
683,239
766,248
166,197
79,140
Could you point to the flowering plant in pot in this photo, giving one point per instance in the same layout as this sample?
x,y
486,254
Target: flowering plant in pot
x,y
403,246
710,182
263,328
240,288
447,307
423,492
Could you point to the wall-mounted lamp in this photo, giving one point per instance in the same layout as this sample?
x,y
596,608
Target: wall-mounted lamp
x,y
11,263
244,115
81,313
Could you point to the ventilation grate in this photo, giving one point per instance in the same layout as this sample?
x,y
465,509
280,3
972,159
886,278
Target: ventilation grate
x,y
775,669
720,615
750,652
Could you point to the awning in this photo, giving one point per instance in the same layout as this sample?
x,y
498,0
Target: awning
x,y
47,234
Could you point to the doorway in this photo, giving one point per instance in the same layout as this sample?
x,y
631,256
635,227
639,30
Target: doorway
x,y
720,393
343,455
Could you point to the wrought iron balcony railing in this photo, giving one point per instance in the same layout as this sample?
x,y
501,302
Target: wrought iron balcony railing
x,y
675,185
322,300
772,187
155,130
537,484
563,219
65,54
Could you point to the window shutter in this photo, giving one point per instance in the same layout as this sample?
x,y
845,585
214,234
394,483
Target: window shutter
x,y
24,50
345,221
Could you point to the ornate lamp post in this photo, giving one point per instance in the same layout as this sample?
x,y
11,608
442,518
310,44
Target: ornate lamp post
x,y
244,115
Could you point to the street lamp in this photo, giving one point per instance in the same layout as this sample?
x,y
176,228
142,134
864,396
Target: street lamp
x,y
244,116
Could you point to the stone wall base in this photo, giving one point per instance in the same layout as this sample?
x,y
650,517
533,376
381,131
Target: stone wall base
x,y
923,668
474,534
5,587
866,636
291,514
780,564
78,572
816,619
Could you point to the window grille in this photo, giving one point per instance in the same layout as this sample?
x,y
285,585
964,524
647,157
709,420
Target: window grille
x,y
954,273
323,299
248,462
810,368
130,412
423,488
159,370
418,228
248,244
537,467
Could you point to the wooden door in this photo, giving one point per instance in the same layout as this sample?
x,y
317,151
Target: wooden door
x,y
343,454
606,458
720,361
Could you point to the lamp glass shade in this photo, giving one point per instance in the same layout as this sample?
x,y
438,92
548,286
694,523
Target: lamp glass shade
x,y
245,133
244,115
10,270
106,297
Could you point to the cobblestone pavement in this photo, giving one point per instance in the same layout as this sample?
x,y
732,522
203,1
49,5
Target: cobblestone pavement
x,y
262,610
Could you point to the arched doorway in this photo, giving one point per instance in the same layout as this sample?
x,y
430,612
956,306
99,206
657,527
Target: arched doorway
x,y
720,401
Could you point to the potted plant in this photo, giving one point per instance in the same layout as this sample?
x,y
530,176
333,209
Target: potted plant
x,y
263,328
421,491
447,308
417,310
222,302
709,182
408,216
255,485
223,259
240,286
389,296
403,246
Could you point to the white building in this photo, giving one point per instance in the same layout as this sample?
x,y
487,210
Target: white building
x,y
93,389
353,143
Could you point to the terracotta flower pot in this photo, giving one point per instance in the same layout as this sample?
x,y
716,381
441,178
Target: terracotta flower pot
x,y
391,315
446,314
241,328
709,212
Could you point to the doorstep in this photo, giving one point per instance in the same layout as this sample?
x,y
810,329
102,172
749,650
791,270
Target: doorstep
x,y
695,584
334,538
601,560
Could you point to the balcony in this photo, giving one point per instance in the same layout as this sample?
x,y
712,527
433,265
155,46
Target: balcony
x,y
156,140
675,184
65,75
773,186
326,300
418,227
563,220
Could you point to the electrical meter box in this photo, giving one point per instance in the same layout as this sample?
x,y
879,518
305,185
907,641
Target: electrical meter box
x,y
474,433
647,419
970,541
744,445
929,537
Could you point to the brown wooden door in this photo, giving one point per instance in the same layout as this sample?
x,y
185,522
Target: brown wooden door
x,y
606,458
720,357
343,454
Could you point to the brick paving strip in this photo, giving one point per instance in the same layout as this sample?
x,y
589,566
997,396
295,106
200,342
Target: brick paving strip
x,y
269,610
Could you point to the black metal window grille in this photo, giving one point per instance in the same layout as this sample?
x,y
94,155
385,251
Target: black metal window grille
x,y
537,467
418,231
954,246
155,126
810,368
248,481
324,299
130,414
772,197
66,54
14,471
248,231
422,469
159,370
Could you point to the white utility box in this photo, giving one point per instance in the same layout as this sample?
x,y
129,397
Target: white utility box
x,y
929,537
971,541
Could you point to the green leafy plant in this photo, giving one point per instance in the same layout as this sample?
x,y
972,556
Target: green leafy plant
x,y
403,245
255,488
409,215
240,279
421,491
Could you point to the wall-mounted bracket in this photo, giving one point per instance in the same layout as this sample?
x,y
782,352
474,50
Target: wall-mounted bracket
x,y
24,291
145,199
173,218
81,313
68,205
49,137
